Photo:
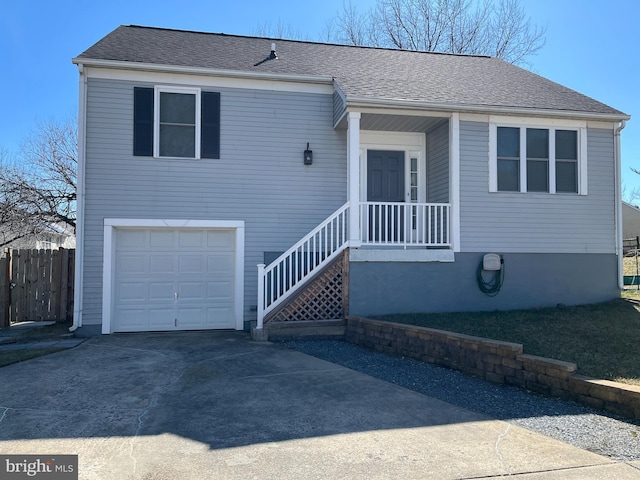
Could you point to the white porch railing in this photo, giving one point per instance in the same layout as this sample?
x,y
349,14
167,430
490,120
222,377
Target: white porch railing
x,y
287,273
381,223
405,224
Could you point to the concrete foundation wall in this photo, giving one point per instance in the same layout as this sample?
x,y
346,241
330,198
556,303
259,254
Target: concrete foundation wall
x,y
530,281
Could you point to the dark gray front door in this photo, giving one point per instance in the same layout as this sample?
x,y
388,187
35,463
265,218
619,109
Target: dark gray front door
x,y
385,176
385,183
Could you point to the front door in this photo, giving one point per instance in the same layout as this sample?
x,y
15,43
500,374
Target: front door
x,y
385,176
385,183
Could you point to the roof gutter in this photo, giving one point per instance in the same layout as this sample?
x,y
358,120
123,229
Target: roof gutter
x,y
153,67
363,102
618,199
77,295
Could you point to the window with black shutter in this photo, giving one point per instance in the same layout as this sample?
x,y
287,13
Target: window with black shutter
x,y
170,122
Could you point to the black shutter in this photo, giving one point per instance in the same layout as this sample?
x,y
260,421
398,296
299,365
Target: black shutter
x,y
210,128
143,122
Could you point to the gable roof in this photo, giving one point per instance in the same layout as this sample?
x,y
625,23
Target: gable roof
x,y
361,73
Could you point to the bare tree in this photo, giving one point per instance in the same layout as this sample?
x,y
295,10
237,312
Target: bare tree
x,y
277,30
497,28
38,188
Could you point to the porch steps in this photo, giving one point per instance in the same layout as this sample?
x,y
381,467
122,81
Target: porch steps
x,y
317,309
321,329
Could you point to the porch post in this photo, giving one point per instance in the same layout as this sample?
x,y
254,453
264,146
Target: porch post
x,y
454,181
353,174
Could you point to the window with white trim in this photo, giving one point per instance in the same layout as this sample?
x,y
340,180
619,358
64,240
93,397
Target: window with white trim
x,y
533,159
177,119
175,122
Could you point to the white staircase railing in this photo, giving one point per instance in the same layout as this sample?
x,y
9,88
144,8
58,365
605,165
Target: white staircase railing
x,y
285,275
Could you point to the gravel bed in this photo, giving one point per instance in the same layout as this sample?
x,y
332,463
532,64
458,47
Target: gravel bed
x,y
570,422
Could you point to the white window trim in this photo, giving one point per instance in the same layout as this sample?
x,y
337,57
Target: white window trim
x,y
158,89
552,125
109,258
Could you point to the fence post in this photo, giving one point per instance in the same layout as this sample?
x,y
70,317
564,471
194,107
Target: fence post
x,y
5,290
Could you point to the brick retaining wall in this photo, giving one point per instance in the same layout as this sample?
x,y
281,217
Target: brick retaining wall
x,y
493,360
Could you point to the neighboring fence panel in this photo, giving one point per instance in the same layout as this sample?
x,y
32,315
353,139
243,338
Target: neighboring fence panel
x,y
36,285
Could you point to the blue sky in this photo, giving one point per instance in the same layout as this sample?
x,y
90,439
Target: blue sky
x,y
592,46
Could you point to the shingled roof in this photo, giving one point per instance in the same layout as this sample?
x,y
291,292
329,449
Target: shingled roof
x,y
360,72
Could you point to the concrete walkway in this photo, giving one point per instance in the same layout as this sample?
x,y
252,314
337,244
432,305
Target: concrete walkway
x,y
212,405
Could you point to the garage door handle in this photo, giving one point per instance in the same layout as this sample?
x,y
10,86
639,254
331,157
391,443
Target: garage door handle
x,y
175,295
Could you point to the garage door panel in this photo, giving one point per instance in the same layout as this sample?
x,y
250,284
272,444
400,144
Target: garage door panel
x,y
217,290
131,265
161,291
133,292
162,319
153,265
133,239
191,264
192,318
165,263
220,264
192,291
191,239
220,317
132,320
222,239
162,238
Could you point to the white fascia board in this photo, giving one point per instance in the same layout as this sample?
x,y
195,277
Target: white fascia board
x,y
537,122
398,110
116,70
361,102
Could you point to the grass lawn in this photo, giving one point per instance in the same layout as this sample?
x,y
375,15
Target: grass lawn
x,y
602,339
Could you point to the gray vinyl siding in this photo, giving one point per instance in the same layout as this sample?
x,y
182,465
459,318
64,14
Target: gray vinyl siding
x,y
438,164
339,106
260,177
535,222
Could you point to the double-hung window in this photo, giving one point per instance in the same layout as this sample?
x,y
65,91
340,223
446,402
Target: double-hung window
x,y
175,124
171,122
532,158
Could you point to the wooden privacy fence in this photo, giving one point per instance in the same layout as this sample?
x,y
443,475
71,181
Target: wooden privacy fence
x,y
36,285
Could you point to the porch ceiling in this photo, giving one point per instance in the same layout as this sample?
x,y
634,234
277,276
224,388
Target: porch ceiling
x,y
395,123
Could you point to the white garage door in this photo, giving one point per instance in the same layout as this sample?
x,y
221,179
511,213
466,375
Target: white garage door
x,y
173,279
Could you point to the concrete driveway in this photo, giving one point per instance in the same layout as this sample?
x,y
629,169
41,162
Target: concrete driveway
x,y
212,405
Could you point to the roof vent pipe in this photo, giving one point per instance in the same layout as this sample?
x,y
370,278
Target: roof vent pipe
x,y
273,54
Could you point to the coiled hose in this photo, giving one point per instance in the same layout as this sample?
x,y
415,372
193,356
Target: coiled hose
x,y
492,286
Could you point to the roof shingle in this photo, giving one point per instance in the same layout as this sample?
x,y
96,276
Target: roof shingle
x,y
360,72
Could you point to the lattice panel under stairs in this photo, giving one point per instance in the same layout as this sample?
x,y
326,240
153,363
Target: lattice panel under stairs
x,y
323,298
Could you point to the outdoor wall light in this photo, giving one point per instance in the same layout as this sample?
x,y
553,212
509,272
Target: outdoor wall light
x,y
308,156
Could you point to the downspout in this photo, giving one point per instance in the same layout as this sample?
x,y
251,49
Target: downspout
x,y
77,290
618,200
